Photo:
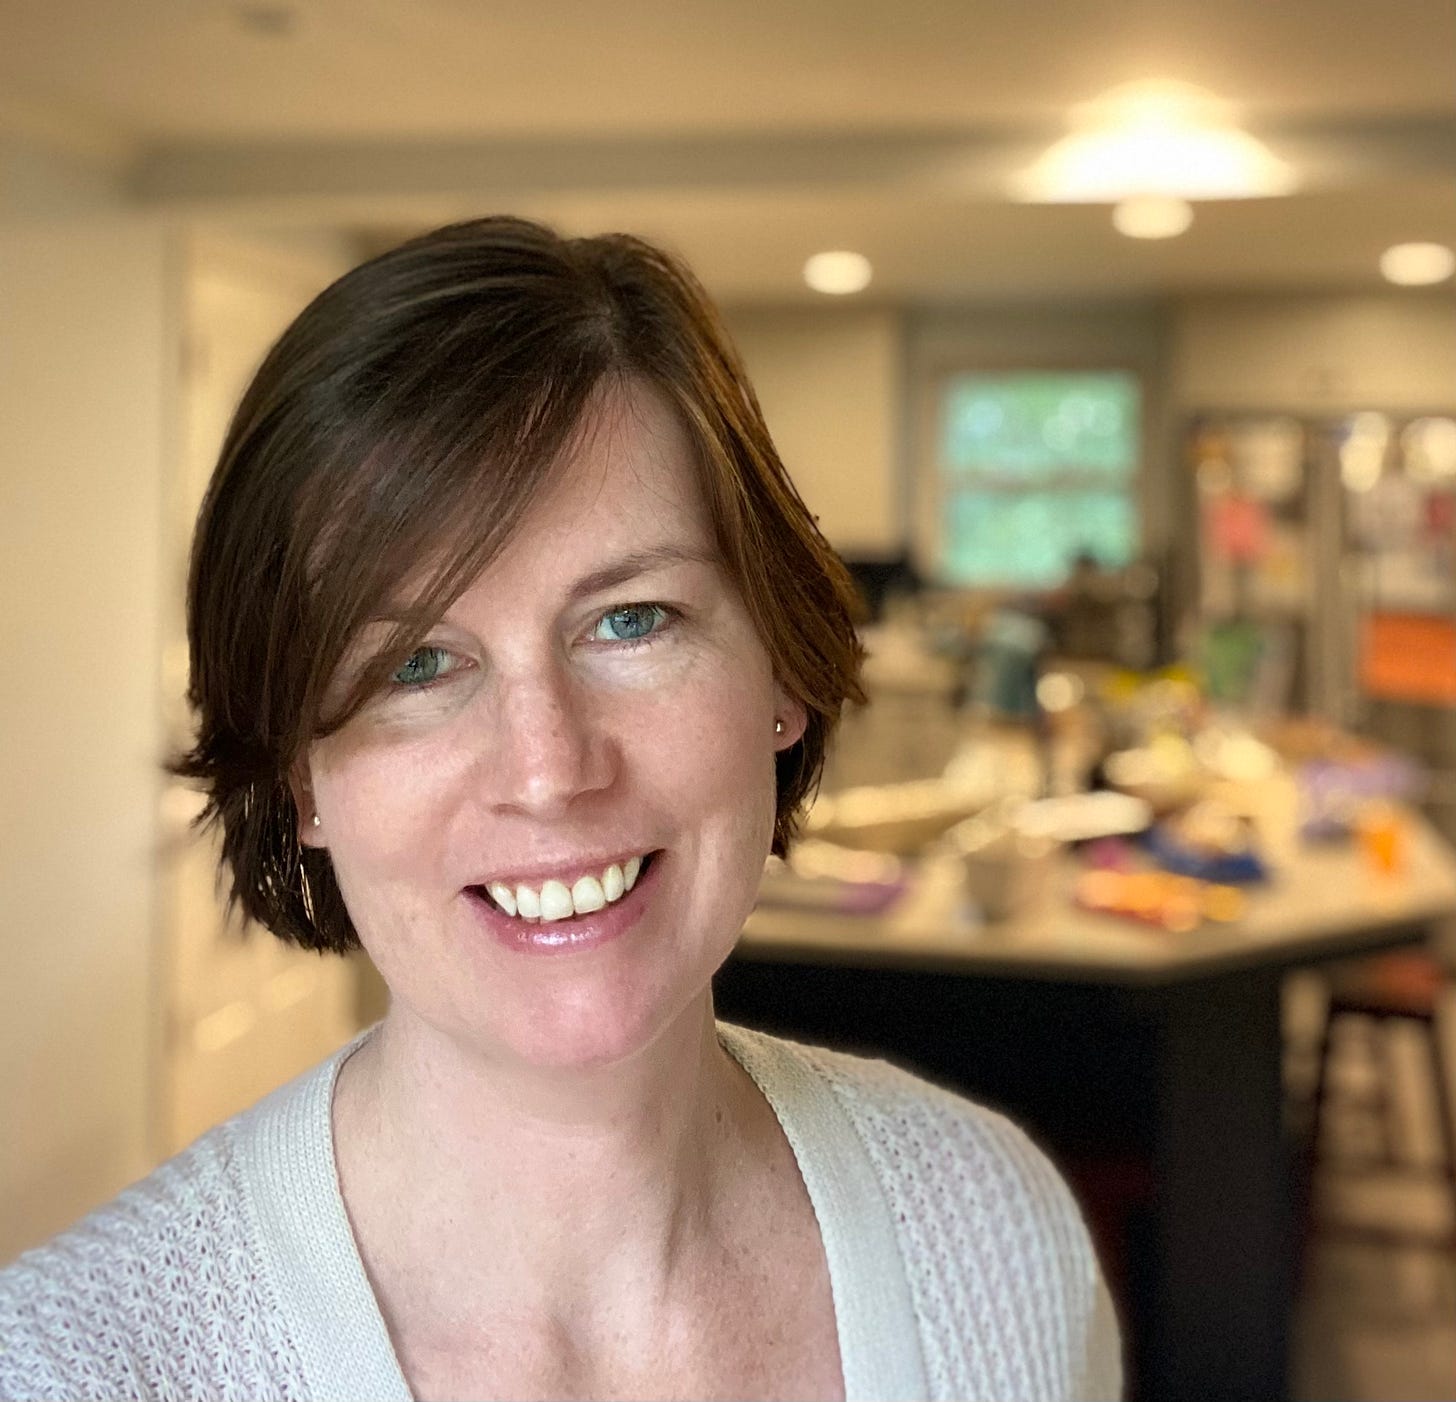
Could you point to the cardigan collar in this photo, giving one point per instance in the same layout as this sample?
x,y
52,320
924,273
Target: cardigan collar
x,y
310,1257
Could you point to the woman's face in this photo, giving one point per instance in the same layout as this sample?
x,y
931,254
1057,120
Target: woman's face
x,y
596,700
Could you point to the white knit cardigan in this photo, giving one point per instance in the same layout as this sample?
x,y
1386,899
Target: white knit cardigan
x,y
959,1265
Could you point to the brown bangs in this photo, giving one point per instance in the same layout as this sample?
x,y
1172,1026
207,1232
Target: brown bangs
x,y
404,551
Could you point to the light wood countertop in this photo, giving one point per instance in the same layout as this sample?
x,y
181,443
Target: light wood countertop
x,y
1328,903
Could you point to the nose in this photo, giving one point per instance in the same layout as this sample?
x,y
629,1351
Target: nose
x,y
551,747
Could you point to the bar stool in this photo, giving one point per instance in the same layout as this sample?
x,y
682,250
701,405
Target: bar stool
x,y
1380,989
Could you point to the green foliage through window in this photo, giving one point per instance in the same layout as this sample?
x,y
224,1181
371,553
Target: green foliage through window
x,y
1037,467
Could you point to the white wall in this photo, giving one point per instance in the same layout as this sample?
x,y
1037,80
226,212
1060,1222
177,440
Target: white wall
x,y
829,384
1316,354
88,342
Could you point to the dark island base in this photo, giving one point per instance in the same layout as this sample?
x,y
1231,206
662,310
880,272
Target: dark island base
x,y
1163,1105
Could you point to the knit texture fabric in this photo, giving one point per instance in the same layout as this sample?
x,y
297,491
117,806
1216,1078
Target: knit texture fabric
x,y
1007,1293
157,1295
959,1263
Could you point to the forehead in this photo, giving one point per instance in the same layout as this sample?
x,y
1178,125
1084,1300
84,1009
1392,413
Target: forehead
x,y
627,478
625,491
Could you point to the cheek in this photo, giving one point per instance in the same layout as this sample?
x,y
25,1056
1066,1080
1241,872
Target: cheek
x,y
713,757
380,809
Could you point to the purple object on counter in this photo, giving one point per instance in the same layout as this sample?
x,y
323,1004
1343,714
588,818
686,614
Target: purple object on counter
x,y
1333,791
830,897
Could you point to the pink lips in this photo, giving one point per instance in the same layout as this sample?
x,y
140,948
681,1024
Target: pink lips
x,y
579,933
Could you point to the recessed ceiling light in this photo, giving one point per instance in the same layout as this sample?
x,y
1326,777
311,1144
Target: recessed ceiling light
x,y
838,272
1417,264
1152,216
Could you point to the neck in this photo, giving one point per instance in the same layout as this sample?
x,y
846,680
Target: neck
x,y
540,1187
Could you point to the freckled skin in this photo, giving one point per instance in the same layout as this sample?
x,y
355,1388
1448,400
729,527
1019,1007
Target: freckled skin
x,y
545,736
560,1184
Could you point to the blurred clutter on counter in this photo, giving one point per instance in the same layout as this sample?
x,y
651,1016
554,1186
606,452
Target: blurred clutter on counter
x,y
1173,805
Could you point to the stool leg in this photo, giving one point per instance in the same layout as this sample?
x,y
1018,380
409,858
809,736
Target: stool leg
x,y
1310,1157
1321,1086
1445,1106
1369,1109
1388,1081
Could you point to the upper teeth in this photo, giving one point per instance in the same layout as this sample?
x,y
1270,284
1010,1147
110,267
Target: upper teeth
x,y
555,900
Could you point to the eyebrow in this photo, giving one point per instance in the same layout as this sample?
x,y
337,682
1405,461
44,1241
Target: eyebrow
x,y
609,576
619,571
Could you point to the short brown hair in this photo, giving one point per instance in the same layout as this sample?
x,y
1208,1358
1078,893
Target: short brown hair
x,y
424,400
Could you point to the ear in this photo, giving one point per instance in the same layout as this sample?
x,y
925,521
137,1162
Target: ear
x,y
300,784
789,713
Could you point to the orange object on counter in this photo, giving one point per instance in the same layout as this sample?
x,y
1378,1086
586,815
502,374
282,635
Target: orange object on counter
x,y
1177,904
1380,830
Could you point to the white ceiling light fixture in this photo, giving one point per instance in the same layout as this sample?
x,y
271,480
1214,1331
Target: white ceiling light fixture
x,y
1417,264
838,272
1152,216
1157,141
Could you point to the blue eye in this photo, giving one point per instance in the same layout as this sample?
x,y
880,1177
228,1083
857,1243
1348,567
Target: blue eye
x,y
629,624
422,666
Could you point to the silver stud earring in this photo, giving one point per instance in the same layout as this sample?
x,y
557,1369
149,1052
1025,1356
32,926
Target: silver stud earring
x,y
778,727
317,821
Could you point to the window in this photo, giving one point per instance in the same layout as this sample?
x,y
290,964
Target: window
x,y
1032,469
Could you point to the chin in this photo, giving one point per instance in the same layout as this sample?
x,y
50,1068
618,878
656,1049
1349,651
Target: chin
x,y
595,1028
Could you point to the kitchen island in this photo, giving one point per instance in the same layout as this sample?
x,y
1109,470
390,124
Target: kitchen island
x,y
1148,1063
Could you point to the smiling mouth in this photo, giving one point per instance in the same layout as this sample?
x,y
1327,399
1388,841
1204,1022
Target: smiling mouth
x,y
556,900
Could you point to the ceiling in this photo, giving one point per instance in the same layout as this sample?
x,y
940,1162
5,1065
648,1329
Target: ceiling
x,y
750,133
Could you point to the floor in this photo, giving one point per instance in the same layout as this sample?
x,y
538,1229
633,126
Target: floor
x,y
1376,1320
1376,1323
